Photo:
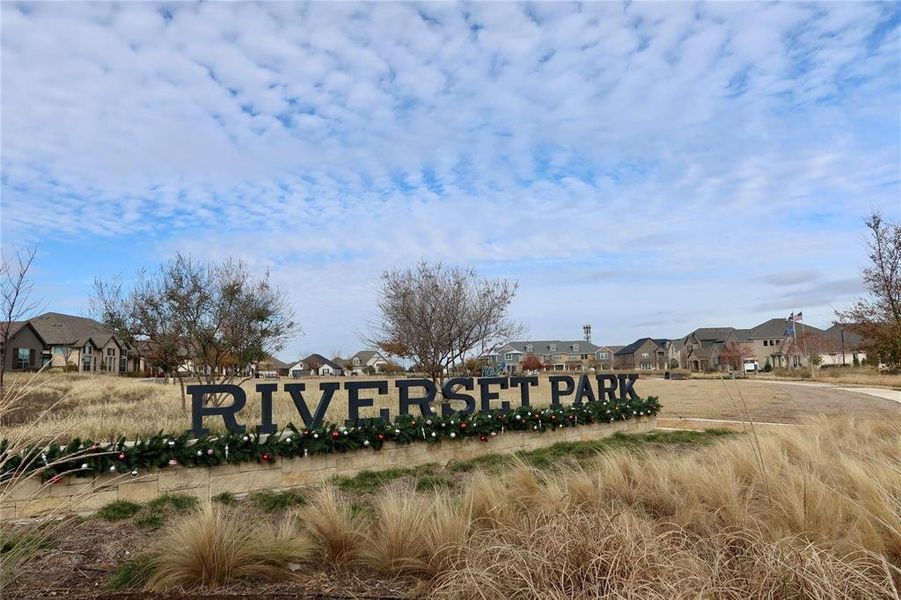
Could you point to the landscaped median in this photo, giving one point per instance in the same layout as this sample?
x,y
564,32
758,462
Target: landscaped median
x,y
84,475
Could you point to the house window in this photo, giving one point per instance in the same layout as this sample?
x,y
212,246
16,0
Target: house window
x,y
645,354
766,342
123,362
575,347
602,355
529,348
87,349
59,350
778,341
86,361
586,356
547,357
553,347
508,356
23,358
357,362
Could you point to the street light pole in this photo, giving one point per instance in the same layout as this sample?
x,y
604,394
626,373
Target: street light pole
x,y
843,346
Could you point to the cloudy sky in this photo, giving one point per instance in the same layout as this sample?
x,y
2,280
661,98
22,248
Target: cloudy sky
x,y
646,168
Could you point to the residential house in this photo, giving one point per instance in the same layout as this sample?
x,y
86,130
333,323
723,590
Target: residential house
x,y
271,367
643,354
56,340
844,347
772,342
365,362
702,347
315,364
555,355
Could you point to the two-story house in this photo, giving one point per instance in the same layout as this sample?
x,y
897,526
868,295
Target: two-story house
x,y
554,355
644,354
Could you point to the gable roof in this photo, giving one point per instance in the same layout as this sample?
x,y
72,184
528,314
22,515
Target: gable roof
x,y
544,346
631,348
322,361
57,329
274,363
775,328
852,339
714,334
366,355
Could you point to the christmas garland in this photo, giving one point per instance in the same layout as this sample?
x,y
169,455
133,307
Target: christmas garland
x,y
87,458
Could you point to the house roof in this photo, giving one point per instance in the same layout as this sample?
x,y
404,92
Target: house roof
x,y
57,329
853,340
15,326
719,334
775,328
366,355
544,346
323,361
631,348
274,363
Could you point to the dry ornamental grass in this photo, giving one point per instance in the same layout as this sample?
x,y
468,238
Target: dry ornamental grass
x,y
808,512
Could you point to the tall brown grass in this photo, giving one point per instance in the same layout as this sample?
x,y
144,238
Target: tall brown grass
x,y
822,523
217,545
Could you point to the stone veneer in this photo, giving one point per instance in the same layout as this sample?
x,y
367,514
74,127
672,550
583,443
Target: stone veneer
x,y
83,495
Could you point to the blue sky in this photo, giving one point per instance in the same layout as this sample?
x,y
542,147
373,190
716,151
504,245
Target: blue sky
x,y
646,168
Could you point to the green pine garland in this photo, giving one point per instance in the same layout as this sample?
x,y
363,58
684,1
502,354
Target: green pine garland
x,y
87,458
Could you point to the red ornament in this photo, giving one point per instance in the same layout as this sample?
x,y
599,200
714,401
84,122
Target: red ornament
x,y
266,456
463,425
413,422
336,435
483,438
381,437
121,456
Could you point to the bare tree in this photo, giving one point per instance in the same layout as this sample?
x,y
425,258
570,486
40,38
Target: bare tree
x,y
15,295
877,317
439,316
206,321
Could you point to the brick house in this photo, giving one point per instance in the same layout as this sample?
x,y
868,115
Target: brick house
x,y
644,354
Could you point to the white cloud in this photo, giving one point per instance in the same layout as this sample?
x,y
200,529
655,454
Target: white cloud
x,y
717,143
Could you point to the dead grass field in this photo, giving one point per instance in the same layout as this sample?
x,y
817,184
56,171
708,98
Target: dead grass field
x,y
798,512
845,376
99,407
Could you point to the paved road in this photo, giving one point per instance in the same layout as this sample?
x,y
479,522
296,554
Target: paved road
x,y
878,392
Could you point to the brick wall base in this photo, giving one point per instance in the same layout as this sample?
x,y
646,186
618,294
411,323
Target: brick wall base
x,y
83,495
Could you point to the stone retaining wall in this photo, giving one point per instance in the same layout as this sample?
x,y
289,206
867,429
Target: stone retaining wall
x,y
32,498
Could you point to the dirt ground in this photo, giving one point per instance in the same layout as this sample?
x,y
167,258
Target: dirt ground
x,y
87,552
